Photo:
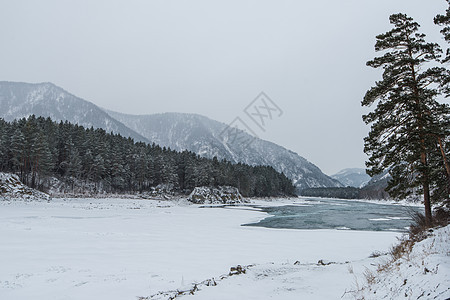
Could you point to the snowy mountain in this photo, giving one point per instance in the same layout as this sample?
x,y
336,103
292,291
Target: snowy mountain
x,y
18,100
205,137
180,132
355,177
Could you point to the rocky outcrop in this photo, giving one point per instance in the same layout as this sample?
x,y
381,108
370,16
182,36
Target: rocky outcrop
x,y
216,195
11,188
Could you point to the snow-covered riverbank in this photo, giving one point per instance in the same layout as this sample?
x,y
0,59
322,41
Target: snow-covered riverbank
x,y
421,272
124,249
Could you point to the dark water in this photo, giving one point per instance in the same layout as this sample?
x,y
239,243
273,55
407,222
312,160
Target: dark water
x,y
339,214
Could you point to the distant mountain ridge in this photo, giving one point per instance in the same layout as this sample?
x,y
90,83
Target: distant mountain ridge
x,y
18,100
175,130
354,177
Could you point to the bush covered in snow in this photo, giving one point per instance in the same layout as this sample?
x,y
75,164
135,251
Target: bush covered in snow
x,y
219,195
11,188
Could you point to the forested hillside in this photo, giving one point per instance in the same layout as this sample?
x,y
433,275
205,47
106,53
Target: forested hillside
x,y
179,131
39,148
209,138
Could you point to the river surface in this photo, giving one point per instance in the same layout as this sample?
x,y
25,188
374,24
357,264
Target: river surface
x,y
317,213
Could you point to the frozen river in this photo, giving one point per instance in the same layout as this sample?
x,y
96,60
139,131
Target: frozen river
x,y
339,214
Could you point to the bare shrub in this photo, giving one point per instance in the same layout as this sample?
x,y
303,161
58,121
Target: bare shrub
x,y
370,277
376,254
441,216
403,248
418,228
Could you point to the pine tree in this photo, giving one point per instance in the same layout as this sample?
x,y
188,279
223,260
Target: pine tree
x,y
17,149
4,142
74,168
143,169
444,20
98,169
88,163
407,119
42,162
444,76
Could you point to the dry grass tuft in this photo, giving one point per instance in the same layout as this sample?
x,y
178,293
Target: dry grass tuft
x,y
370,277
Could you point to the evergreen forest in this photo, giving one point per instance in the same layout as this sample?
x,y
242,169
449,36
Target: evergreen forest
x,y
38,149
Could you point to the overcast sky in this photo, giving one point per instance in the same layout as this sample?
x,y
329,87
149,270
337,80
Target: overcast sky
x,y
213,58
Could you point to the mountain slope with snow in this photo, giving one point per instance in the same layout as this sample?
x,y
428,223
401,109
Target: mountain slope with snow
x,y
18,100
355,177
205,137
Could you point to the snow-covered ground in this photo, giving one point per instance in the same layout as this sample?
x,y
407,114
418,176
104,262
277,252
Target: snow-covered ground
x,y
125,249
422,272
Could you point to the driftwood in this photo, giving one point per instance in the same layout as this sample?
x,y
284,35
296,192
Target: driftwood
x,y
195,287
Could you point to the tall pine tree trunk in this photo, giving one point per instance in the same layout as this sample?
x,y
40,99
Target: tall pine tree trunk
x,y
426,188
423,150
